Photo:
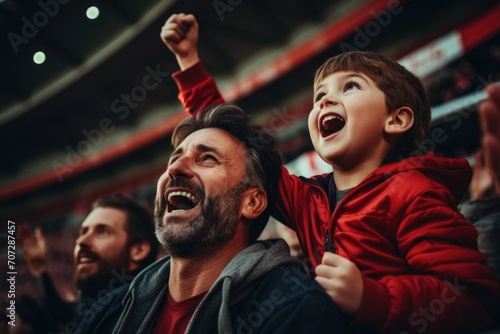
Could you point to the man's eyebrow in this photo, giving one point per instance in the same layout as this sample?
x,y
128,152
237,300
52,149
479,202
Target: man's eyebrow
x,y
176,151
104,226
199,147
206,148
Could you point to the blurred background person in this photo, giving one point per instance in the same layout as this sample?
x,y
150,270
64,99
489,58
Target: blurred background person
x,y
483,211
116,241
483,207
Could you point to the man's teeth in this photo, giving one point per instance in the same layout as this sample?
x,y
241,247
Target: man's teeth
x,y
181,200
186,194
86,260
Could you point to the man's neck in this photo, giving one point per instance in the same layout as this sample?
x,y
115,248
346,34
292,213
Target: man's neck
x,y
192,276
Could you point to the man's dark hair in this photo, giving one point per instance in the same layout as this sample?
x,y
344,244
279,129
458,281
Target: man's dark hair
x,y
139,225
263,162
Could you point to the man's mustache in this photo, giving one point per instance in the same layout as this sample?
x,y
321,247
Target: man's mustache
x,y
87,253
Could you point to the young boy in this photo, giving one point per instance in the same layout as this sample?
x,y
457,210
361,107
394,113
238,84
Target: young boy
x,y
382,231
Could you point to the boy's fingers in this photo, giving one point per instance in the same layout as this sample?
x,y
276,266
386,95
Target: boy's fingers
x,y
171,19
323,282
172,36
332,259
174,22
172,27
325,271
188,20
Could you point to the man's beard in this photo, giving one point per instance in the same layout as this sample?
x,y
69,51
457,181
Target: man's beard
x,y
100,282
213,227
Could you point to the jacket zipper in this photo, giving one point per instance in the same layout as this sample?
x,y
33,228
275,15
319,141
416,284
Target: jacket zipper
x,y
329,246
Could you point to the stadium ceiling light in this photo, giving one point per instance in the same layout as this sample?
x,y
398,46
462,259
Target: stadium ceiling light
x,y
92,12
39,57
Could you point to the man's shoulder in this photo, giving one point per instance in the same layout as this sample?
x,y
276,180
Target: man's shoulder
x,y
292,281
104,312
285,301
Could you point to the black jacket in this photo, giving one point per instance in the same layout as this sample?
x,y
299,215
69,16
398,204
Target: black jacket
x,y
262,290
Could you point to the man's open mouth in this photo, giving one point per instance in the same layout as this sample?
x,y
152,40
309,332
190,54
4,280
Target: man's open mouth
x,y
181,200
330,124
87,257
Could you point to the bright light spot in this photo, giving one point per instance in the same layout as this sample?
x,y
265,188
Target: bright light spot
x,y
39,57
92,12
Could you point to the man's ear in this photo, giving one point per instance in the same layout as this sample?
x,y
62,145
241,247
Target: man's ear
x,y
399,121
138,252
254,203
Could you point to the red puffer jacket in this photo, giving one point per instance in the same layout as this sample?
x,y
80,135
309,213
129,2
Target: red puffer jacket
x,y
421,268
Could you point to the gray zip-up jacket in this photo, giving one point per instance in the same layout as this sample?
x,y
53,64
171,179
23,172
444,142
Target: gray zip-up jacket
x,y
262,290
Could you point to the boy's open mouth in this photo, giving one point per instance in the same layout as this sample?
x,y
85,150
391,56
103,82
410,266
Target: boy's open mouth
x,y
330,123
181,200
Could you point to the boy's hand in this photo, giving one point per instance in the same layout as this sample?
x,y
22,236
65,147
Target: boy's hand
x,y
34,249
342,281
180,35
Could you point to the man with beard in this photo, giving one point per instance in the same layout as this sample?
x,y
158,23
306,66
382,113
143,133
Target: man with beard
x,y
116,241
211,205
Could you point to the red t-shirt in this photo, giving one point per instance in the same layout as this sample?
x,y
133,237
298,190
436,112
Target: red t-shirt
x,y
175,316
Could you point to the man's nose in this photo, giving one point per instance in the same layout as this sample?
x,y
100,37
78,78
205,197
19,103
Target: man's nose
x,y
84,240
182,167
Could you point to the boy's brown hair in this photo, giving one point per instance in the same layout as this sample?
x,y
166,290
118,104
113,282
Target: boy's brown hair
x,y
400,86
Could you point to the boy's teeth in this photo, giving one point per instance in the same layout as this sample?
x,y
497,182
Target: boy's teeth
x,y
331,124
330,117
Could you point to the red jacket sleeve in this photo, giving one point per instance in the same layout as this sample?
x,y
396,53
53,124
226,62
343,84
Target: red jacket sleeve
x,y
456,291
197,90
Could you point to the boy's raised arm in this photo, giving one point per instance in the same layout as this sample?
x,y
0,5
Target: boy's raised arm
x,y
197,90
